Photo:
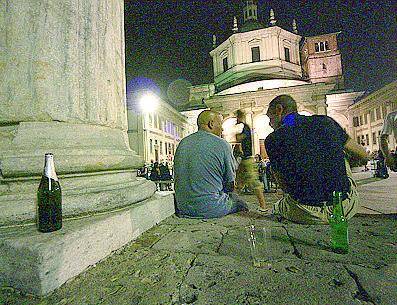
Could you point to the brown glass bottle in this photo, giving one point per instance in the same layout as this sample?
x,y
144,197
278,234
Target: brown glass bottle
x,y
49,199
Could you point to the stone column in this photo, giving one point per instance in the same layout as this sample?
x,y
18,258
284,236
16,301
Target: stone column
x,y
63,91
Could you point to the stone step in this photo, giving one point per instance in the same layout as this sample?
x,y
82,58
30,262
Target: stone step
x,y
38,263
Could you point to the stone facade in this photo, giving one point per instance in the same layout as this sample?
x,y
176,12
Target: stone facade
x,y
368,113
155,135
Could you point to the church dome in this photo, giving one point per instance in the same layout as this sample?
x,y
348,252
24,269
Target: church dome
x,y
251,25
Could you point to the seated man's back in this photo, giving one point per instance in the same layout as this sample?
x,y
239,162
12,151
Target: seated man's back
x,y
309,157
203,165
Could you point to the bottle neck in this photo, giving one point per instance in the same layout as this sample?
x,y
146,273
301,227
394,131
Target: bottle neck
x,y
49,168
337,203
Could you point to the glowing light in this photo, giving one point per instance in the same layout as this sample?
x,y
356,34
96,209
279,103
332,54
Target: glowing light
x,y
148,102
138,86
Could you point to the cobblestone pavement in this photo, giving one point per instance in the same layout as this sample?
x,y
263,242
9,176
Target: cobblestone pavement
x,y
185,261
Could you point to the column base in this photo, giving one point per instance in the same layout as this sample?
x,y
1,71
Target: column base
x,y
38,263
82,194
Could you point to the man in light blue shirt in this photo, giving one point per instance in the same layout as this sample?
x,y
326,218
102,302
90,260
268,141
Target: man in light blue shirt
x,y
205,172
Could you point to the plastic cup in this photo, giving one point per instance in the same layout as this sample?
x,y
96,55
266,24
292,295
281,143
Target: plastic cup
x,y
259,243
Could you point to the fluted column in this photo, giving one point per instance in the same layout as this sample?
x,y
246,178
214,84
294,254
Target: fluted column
x,y
62,90
63,86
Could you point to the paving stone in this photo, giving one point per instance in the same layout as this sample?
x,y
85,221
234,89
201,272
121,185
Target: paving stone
x,y
225,280
189,261
196,238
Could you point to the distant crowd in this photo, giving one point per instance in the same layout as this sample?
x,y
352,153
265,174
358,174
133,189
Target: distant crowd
x,y
161,173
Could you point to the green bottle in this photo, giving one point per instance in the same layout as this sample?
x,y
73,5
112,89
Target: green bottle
x,y
339,227
49,199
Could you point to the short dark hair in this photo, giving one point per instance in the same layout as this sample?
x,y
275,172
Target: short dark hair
x,y
284,100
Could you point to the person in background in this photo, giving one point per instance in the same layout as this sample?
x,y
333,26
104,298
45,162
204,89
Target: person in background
x,y
204,172
155,172
307,155
247,173
389,128
381,168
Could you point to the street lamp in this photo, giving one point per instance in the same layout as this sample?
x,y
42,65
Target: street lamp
x,y
148,102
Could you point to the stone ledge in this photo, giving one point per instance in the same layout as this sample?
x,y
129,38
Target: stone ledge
x,y
39,263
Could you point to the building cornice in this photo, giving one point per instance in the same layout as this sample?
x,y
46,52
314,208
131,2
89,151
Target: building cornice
x,y
389,90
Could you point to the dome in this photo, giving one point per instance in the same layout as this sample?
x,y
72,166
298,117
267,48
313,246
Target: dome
x,y
251,25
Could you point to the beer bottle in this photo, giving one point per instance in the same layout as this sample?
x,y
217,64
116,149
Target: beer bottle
x,y
339,227
49,199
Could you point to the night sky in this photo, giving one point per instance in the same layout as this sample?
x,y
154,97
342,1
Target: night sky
x,y
170,40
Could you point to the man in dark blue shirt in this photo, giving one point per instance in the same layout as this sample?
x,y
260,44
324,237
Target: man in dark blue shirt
x,y
307,154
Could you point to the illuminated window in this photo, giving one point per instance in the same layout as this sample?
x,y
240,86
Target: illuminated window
x,y
225,64
321,46
287,55
256,56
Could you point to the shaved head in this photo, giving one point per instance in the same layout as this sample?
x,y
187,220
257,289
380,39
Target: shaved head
x,y
286,101
210,121
206,116
279,107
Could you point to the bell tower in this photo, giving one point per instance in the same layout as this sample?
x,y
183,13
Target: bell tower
x,y
322,61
